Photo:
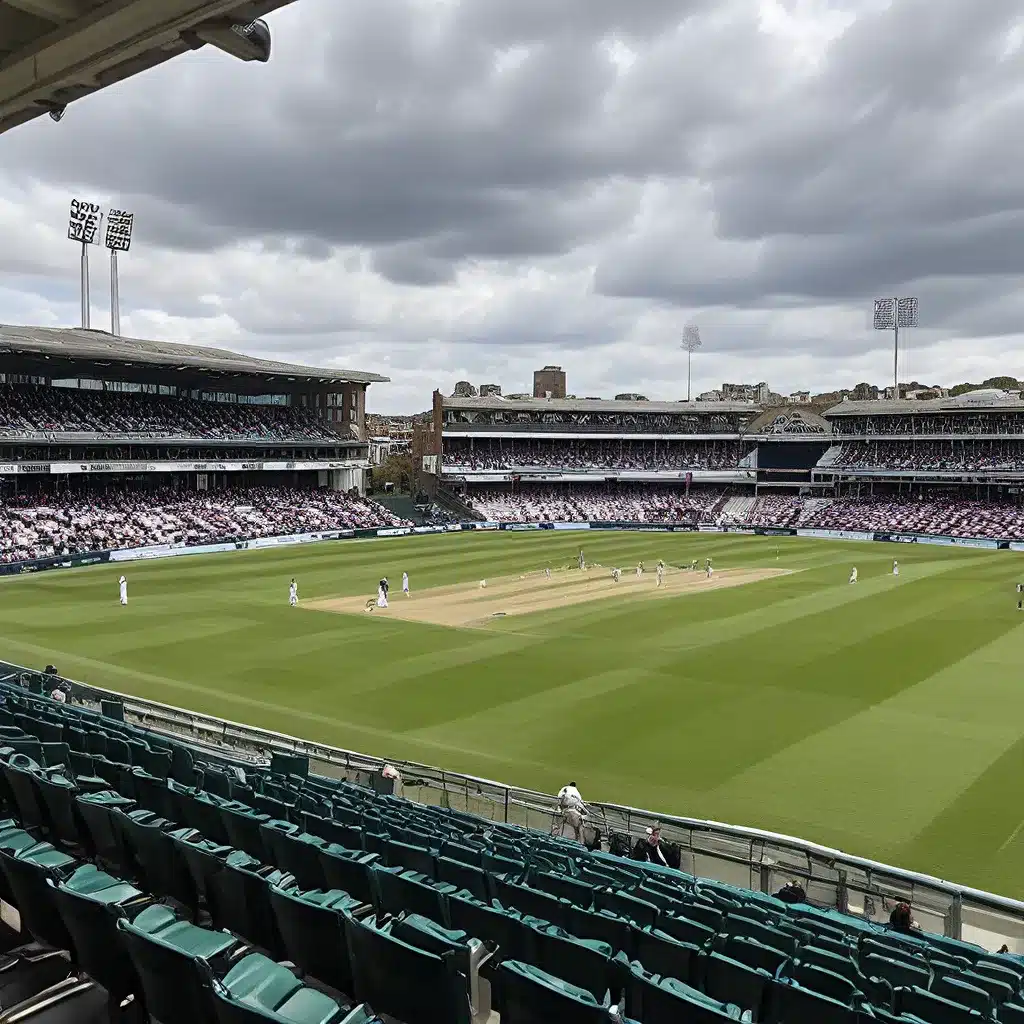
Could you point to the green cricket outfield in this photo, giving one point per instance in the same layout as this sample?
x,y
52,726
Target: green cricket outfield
x,y
886,718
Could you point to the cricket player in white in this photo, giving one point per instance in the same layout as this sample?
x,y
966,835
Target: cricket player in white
x,y
639,568
853,575
661,572
616,574
123,584
547,572
382,595
293,593
405,583
708,570
895,567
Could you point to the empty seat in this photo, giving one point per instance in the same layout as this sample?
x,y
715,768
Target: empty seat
x,y
256,989
312,929
398,979
174,960
524,994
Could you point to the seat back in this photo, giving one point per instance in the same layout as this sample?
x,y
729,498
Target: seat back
x,y
72,1001
27,873
91,920
525,994
312,929
404,982
170,959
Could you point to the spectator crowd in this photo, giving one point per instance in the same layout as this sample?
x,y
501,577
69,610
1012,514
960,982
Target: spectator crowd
x,y
954,456
506,455
41,526
931,425
568,504
56,410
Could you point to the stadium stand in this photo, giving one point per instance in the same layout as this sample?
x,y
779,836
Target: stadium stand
x,y
25,409
647,456
40,526
182,888
622,502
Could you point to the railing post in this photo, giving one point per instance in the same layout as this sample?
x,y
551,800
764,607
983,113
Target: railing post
x,y
955,917
506,805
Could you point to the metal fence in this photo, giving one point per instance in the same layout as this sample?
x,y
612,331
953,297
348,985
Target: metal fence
x,y
748,857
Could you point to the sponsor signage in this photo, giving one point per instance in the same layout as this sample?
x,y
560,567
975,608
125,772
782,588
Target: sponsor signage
x,y
709,529
835,534
33,467
521,526
572,526
453,527
8,469
395,531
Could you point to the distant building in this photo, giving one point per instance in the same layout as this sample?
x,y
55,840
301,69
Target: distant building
x,y
630,396
800,398
463,389
549,382
710,396
487,390
759,393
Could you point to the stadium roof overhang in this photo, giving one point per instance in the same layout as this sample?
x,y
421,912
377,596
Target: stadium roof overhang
x,y
53,52
972,401
58,353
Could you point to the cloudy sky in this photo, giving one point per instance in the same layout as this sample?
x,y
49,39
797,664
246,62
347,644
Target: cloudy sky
x,y
446,189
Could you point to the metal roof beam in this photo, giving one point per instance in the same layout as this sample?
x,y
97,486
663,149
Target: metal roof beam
x,y
56,11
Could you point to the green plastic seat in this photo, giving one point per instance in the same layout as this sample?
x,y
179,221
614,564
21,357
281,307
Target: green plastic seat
x,y
399,891
525,994
175,962
96,810
933,1008
27,873
960,990
493,923
728,980
312,928
400,980
90,902
641,912
349,870
585,963
660,953
257,989
793,1004
659,1000
243,826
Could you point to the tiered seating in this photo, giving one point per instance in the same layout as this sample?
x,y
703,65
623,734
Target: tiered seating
x,y
66,523
578,503
214,893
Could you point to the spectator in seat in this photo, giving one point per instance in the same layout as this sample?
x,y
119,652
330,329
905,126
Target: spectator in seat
x,y
792,892
901,920
650,849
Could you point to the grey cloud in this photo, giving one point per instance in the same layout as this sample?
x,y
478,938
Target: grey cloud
x,y
453,148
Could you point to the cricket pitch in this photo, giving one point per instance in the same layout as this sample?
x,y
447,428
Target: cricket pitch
x,y
469,605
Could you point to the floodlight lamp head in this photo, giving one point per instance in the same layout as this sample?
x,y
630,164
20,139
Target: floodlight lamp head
x,y
691,338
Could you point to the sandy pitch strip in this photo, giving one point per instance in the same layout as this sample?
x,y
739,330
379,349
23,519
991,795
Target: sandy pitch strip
x,y
467,605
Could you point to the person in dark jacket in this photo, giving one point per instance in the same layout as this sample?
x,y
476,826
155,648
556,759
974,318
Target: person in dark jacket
x,y
651,850
902,920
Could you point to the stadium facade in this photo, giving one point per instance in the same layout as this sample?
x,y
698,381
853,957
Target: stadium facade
x,y
86,405
728,462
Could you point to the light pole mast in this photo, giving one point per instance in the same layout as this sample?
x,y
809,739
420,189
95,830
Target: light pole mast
x,y
691,342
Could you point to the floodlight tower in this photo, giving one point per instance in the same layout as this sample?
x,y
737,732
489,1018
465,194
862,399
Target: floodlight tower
x,y
84,227
691,342
118,238
891,315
